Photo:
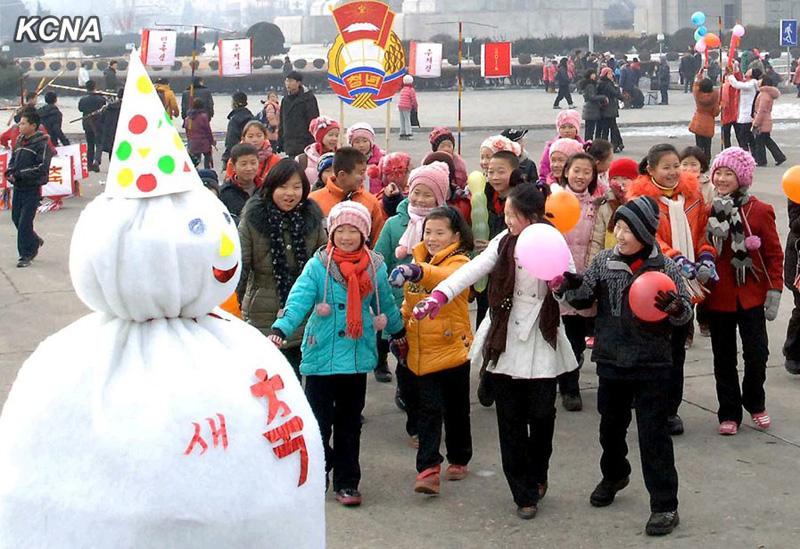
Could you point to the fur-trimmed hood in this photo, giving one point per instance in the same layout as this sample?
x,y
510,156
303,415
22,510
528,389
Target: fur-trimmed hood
x,y
688,186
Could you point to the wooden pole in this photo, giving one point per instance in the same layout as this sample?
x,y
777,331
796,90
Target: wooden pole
x,y
460,85
341,123
388,123
191,83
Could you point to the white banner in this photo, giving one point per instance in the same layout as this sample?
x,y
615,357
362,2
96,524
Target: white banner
x,y
73,152
59,183
235,57
426,59
159,47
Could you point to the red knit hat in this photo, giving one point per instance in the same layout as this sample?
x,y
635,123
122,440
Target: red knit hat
x,y
624,167
320,126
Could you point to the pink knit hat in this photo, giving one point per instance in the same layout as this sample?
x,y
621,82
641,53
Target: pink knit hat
x,y
738,160
498,143
435,176
566,146
571,117
350,213
320,126
360,129
606,71
439,134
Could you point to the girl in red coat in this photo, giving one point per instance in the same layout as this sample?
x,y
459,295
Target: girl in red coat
x,y
748,293
405,104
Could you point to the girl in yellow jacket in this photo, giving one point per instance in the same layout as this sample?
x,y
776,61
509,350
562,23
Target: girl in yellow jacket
x,y
438,348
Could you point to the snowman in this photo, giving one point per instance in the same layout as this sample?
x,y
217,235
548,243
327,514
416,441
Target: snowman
x,y
158,420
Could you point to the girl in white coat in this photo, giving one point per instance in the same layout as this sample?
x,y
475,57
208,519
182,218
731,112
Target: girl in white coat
x,y
747,96
522,346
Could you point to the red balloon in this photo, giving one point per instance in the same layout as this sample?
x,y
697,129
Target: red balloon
x,y
642,296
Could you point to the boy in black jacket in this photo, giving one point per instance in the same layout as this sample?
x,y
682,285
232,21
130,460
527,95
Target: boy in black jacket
x,y
28,171
90,106
51,119
633,360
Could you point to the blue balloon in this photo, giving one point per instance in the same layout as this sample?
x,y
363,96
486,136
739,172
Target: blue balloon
x,y
698,18
702,30
697,35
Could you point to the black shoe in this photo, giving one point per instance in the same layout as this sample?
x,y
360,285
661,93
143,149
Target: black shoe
x,y
41,241
95,168
572,403
661,524
604,493
23,262
675,425
527,512
557,107
398,400
792,366
382,373
781,161
485,391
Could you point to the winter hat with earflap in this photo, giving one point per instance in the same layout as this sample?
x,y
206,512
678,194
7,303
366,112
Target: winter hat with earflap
x,y
320,126
408,80
641,214
440,134
497,143
569,117
624,167
350,213
739,161
394,167
325,161
566,146
360,129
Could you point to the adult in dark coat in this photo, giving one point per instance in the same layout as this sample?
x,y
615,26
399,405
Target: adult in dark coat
x,y
610,111
110,75
90,106
662,79
51,118
687,71
108,122
593,102
237,118
201,92
298,108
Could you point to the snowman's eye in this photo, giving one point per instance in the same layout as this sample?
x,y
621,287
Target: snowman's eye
x,y
227,217
196,226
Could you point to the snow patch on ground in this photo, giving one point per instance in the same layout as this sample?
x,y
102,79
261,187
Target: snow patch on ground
x,y
676,131
786,110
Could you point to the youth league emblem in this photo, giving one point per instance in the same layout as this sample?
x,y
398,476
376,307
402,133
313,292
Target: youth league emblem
x,y
366,63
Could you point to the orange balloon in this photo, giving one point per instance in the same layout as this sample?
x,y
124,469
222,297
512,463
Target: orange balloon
x,y
712,40
791,184
563,210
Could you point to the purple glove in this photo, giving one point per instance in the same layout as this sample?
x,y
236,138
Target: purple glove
x,y
399,348
706,269
430,306
688,269
403,273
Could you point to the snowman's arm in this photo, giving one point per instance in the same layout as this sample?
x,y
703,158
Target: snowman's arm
x,y
302,298
388,306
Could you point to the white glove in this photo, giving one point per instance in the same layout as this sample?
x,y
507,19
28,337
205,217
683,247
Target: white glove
x,y
772,304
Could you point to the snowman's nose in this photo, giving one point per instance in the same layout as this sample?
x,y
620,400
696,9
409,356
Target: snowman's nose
x,y
226,246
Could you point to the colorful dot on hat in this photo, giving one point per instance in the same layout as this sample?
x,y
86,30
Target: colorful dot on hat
x,y
159,123
124,150
166,164
146,182
178,142
168,118
186,167
137,124
144,85
125,177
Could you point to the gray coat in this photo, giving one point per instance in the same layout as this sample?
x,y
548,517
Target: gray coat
x,y
593,100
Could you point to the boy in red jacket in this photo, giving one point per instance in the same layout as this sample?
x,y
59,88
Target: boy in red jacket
x,y
750,268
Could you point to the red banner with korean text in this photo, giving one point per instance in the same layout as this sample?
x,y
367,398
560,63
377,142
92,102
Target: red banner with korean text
x,y
496,60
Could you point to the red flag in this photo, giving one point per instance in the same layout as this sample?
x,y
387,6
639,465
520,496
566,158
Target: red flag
x,y
367,20
496,59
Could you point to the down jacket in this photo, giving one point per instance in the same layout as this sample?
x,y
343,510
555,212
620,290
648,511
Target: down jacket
x,y
408,98
763,108
705,113
326,348
527,355
624,343
441,343
260,302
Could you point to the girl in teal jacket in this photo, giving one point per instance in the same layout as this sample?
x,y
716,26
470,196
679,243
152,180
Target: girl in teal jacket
x,y
343,284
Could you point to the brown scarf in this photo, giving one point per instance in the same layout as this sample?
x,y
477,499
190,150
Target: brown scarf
x,y
501,295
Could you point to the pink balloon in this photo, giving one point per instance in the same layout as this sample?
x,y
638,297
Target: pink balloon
x,y
700,47
542,251
738,30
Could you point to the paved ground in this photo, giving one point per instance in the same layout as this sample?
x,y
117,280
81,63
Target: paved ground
x,y
735,492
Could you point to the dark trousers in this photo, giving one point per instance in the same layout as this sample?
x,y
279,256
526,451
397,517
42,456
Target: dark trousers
x,y
791,348
526,417
726,135
94,148
482,300
744,135
444,396
563,93
409,392
675,384
664,95
23,211
614,400
755,351
337,402
688,82
611,132
294,355
576,328
208,159
593,129
704,143
764,141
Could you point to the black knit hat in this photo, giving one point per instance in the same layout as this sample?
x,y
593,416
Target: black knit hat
x,y
641,214
514,134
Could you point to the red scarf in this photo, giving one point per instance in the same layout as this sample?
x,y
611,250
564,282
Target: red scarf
x,y
353,266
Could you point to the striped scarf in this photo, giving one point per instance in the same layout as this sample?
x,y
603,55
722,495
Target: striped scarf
x,y
726,220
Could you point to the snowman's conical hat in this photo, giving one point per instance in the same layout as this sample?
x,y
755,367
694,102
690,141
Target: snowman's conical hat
x,y
149,158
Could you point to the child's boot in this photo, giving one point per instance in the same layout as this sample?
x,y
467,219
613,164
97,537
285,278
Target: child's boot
x,y
605,492
428,481
661,524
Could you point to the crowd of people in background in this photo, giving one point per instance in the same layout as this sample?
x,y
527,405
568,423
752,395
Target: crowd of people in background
x,y
350,254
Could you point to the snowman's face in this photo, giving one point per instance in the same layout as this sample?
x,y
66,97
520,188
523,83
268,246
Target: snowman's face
x,y
162,257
